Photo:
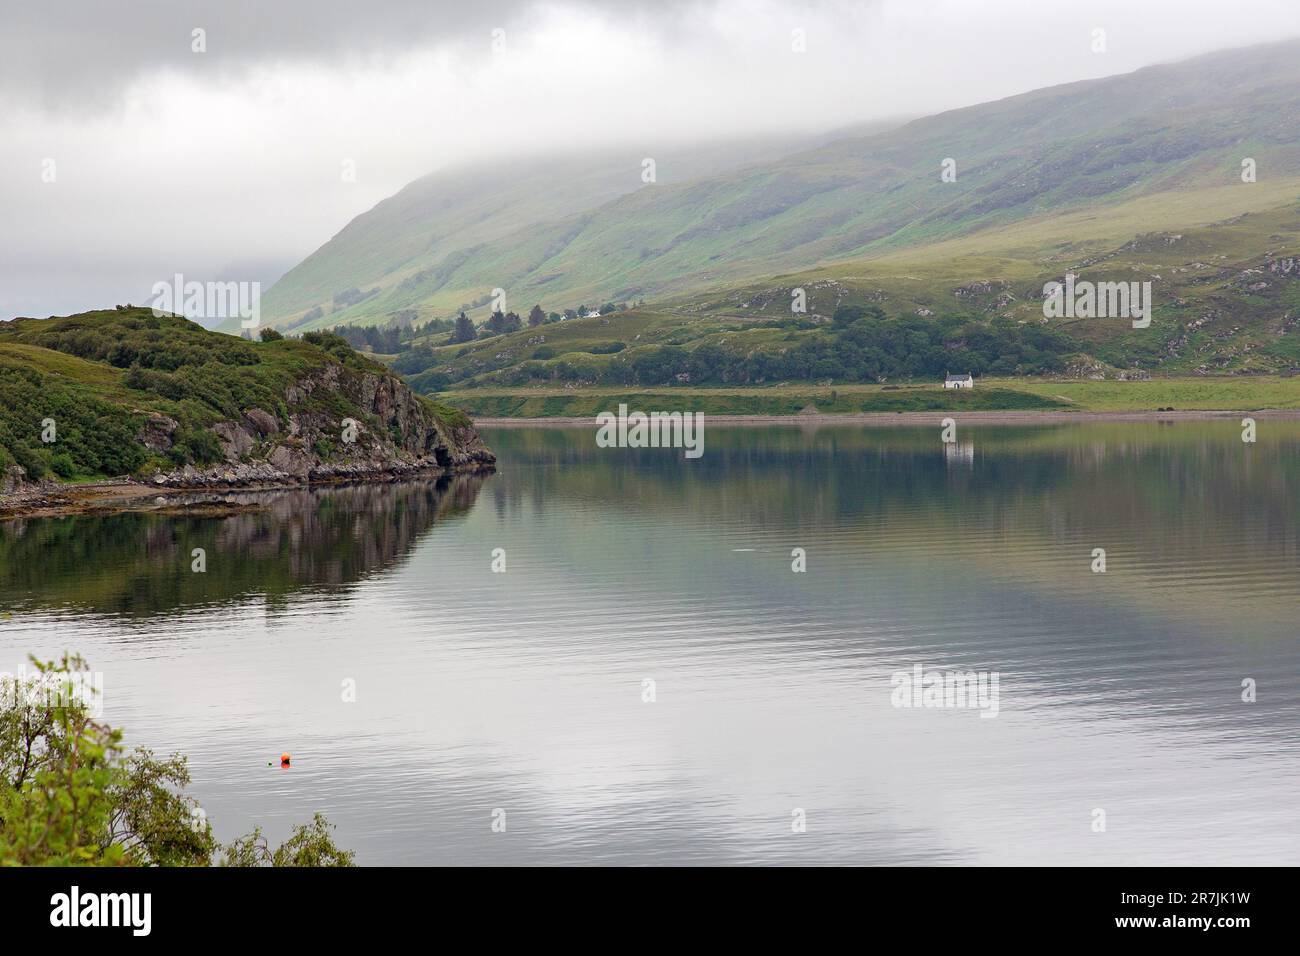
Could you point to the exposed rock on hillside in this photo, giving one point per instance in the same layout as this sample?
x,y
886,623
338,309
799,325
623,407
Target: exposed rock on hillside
x,y
129,396
391,432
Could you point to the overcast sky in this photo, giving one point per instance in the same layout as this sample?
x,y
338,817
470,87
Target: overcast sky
x,y
229,163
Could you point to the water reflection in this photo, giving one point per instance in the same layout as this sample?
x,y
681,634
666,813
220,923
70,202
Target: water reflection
x,y
525,690
140,562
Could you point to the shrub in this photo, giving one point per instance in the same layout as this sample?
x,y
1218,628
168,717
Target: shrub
x,y
71,795
197,446
63,465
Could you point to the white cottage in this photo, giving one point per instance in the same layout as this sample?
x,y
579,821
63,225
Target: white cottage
x,y
959,381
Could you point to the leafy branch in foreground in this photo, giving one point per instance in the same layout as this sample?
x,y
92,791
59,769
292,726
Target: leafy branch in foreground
x,y
71,795
310,845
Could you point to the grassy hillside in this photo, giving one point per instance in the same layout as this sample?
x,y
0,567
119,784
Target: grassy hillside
x,y
1224,268
1171,130
448,218
1223,263
125,392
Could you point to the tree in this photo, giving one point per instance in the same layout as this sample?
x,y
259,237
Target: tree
x,y
498,324
536,317
846,315
270,335
464,330
310,844
70,795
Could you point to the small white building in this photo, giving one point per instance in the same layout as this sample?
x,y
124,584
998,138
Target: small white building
x,y
959,381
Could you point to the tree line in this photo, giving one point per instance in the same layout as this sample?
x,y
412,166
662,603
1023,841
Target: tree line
x,y
861,344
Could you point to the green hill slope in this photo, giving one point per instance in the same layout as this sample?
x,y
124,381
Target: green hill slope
x,y
446,219
1223,263
128,393
1087,145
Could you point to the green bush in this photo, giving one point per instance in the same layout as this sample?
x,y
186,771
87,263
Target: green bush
x,y
99,438
170,366
63,465
71,795
197,446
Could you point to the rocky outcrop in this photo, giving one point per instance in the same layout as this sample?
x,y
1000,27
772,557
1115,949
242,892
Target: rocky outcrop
x,y
973,289
295,470
236,441
262,422
12,479
388,432
157,432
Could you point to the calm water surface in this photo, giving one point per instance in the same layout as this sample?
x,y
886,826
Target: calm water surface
x,y
524,690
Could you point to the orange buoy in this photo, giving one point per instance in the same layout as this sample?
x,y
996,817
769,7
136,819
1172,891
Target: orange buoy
x,y
284,760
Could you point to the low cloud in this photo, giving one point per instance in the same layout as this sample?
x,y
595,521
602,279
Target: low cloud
x,y
172,161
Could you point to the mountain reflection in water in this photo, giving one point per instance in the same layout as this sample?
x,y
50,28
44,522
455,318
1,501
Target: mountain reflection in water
x,y
526,690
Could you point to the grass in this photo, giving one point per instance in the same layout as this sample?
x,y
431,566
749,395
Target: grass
x,y
1207,322
70,368
1078,164
1195,246
1253,393
76,393
1188,394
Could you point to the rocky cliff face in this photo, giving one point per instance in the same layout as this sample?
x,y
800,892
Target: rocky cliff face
x,y
335,424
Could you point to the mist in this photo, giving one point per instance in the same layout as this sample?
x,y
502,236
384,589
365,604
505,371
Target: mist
x,y
230,143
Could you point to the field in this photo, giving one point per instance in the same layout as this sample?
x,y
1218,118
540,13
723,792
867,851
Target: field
x,y
1182,394
1242,393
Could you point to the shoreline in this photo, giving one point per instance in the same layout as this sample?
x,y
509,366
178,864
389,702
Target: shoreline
x,y
1046,417
117,494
